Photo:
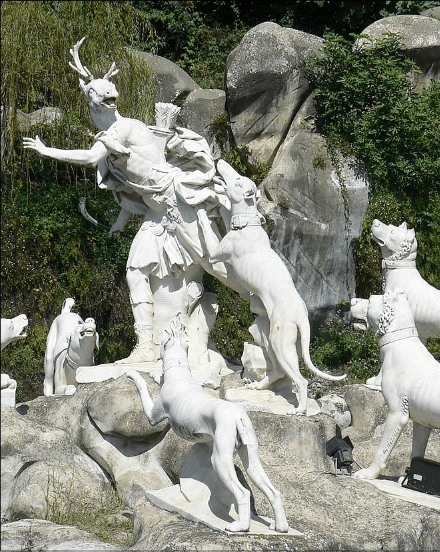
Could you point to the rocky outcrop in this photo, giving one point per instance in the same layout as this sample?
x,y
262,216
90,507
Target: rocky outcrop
x,y
171,83
331,511
316,209
265,86
420,40
200,110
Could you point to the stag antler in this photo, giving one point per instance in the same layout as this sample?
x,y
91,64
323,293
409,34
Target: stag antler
x,y
79,67
112,71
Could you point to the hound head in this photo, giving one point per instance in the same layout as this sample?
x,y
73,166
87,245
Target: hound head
x,y
396,242
238,187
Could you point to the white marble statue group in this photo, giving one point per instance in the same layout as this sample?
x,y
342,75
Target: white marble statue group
x,y
200,216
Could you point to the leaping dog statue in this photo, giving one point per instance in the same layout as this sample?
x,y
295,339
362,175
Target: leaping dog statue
x,y
256,266
196,416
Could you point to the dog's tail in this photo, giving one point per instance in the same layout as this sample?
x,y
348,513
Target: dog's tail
x,y
305,344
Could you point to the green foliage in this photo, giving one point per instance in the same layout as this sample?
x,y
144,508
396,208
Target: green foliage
x,y
338,346
367,107
190,36
230,330
104,521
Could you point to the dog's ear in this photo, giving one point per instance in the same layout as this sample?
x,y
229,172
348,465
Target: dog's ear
x,y
97,340
411,233
403,225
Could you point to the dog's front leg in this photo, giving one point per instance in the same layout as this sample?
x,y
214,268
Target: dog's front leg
x,y
394,425
213,244
154,410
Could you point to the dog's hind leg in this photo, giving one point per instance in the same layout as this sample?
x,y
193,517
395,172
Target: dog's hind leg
x,y
394,425
283,339
252,464
222,460
420,440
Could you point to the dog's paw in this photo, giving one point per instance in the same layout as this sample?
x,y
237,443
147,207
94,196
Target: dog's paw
x,y
238,526
70,390
365,473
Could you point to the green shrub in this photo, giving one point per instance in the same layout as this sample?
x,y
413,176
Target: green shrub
x,y
342,348
367,107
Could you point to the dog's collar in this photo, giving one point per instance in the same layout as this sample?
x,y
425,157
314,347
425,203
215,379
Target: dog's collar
x,y
174,363
403,263
390,337
241,221
71,362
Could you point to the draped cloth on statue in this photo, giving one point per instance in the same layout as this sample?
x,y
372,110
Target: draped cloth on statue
x,y
168,197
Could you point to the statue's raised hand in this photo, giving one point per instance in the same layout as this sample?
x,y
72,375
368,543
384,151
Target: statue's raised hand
x,y
37,145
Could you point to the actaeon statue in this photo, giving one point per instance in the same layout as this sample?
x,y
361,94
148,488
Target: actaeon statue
x,y
163,175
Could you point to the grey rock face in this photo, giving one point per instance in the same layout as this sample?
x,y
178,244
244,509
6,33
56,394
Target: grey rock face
x,y
172,83
421,41
42,465
198,112
316,218
265,86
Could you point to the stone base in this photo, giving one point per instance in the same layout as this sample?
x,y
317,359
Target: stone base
x,y
202,498
395,489
103,372
207,377
266,400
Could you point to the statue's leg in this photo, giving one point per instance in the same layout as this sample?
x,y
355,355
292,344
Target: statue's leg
x,y
222,460
252,464
141,299
173,296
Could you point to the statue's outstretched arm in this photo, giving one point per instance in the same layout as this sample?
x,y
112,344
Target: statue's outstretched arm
x,y
88,158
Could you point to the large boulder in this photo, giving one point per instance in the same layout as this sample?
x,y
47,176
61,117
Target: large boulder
x,y
420,40
317,211
171,83
199,111
265,86
43,468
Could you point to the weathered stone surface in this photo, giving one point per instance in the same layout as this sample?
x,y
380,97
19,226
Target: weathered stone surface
x,y
420,39
199,111
336,407
117,411
432,12
265,85
128,462
38,535
42,464
316,218
171,83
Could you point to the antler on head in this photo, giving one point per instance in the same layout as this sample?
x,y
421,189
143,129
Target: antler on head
x,y
112,71
79,67
82,69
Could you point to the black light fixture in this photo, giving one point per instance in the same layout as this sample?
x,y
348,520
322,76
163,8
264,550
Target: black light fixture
x,y
423,475
340,450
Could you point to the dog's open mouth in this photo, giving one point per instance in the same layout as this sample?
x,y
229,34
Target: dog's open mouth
x,y
87,331
110,103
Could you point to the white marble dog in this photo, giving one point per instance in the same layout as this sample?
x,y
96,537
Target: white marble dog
x,y
70,344
399,250
261,271
196,416
13,329
411,375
